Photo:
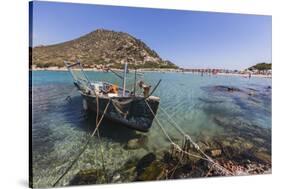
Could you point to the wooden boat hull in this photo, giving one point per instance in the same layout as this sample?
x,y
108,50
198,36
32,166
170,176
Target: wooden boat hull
x,y
131,112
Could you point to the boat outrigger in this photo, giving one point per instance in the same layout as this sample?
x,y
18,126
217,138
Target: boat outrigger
x,y
121,105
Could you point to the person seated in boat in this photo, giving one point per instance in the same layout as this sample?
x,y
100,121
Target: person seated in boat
x,y
146,88
111,89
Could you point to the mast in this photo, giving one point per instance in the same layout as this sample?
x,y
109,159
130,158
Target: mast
x,y
135,81
124,79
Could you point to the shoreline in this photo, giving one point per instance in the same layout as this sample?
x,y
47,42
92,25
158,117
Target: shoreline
x,y
114,69
245,75
158,71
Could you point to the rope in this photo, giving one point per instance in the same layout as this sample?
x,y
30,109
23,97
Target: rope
x,y
116,105
84,148
188,153
207,158
158,122
97,122
101,119
97,103
177,127
68,98
180,129
102,155
194,144
224,170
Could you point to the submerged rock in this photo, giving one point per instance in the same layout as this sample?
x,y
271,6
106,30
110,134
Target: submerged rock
x,y
203,145
244,129
145,161
155,171
116,177
247,145
133,144
251,93
126,173
136,143
258,140
216,152
223,88
263,156
252,89
183,171
167,157
225,143
210,101
90,176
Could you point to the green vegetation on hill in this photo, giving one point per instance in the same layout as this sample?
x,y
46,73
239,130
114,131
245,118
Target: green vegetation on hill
x,y
261,66
101,47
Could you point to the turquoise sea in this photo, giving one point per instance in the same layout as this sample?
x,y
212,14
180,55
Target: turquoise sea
x,y
201,105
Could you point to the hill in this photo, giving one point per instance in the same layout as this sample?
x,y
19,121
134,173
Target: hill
x,y
261,66
101,47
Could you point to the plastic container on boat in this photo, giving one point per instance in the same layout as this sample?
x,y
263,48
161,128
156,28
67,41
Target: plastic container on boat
x,y
112,95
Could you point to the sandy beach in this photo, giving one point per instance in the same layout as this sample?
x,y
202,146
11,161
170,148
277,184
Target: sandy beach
x,y
245,75
156,70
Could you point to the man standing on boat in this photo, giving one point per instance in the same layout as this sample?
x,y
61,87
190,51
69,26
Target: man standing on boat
x,y
146,88
112,89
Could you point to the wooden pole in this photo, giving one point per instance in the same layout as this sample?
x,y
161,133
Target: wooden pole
x,y
135,82
124,79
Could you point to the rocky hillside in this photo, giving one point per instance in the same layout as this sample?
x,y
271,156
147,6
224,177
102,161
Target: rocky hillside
x,y
261,66
101,47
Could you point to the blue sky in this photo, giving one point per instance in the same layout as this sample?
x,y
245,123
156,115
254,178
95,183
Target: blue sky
x,y
188,38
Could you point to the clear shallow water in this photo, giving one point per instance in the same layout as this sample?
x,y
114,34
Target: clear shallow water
x,y
60,129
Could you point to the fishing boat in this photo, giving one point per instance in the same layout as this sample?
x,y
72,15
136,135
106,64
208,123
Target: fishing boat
x,y
118,104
